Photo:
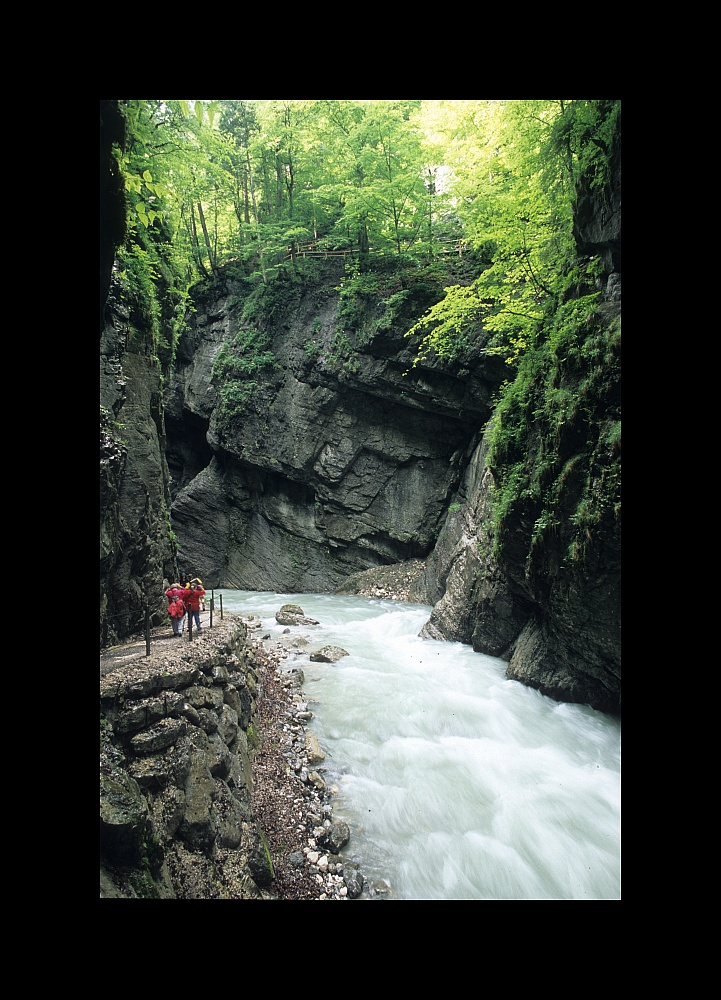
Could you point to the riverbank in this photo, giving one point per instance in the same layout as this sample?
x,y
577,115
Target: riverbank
x,y
291,800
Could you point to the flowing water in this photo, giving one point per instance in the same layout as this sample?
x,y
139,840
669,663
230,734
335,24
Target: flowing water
x,y
456,782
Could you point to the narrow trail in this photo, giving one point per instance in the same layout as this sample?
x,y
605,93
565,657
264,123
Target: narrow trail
x,y
162,641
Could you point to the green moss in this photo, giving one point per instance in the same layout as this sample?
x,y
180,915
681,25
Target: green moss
x,y
556,434
237,367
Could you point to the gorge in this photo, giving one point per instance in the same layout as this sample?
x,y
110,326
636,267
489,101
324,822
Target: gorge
x,y
332,469
295,435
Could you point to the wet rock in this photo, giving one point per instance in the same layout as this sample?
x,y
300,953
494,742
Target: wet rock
x,y
335,837
312,749
123,816
317,781
329,654
354,880
293,614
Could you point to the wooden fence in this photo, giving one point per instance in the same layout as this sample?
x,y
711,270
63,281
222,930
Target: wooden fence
x,y
313,250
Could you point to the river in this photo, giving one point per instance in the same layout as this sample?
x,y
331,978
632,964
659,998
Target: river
x,y
456,782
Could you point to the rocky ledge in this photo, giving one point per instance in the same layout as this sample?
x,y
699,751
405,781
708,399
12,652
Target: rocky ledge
x,y
211,784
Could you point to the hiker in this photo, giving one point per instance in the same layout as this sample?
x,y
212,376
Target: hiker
x,y
193,597
176,607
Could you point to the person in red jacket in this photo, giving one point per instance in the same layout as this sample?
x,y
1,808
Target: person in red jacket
x,y
176,607
193,598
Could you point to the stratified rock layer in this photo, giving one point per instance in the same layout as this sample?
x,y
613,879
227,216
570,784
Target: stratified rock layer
x,y
334,465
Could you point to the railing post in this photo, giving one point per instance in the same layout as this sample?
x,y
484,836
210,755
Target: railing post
x,y
212,605
221,607
147,630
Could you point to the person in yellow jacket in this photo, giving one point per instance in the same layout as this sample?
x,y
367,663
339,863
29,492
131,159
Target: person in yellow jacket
x,y
193,597
196,579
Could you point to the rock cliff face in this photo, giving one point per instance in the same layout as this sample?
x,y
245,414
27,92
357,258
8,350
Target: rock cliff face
x,y
336,464
548,598
559,629
136,553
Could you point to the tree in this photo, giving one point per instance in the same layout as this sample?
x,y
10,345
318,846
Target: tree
x,y
516,209
378,181
238,123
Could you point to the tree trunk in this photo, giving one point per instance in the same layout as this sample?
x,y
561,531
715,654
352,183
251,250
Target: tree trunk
x,y
246,199
257,223
195,245
208,246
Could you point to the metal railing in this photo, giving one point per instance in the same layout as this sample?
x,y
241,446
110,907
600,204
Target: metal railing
x,y
150,632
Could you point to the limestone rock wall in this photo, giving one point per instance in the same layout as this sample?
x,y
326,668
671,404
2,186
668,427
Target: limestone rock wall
x,y
559,630
549,599
136,552
336,464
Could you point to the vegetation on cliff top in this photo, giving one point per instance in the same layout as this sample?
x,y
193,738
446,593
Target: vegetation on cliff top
x,y
213,182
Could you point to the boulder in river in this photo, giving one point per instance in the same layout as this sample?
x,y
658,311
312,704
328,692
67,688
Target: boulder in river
x,y
293,614
329,654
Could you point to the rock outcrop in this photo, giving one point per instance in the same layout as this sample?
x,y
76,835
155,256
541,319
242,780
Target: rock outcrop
x,y
209,787
176,771
337,463
473,598
560,631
